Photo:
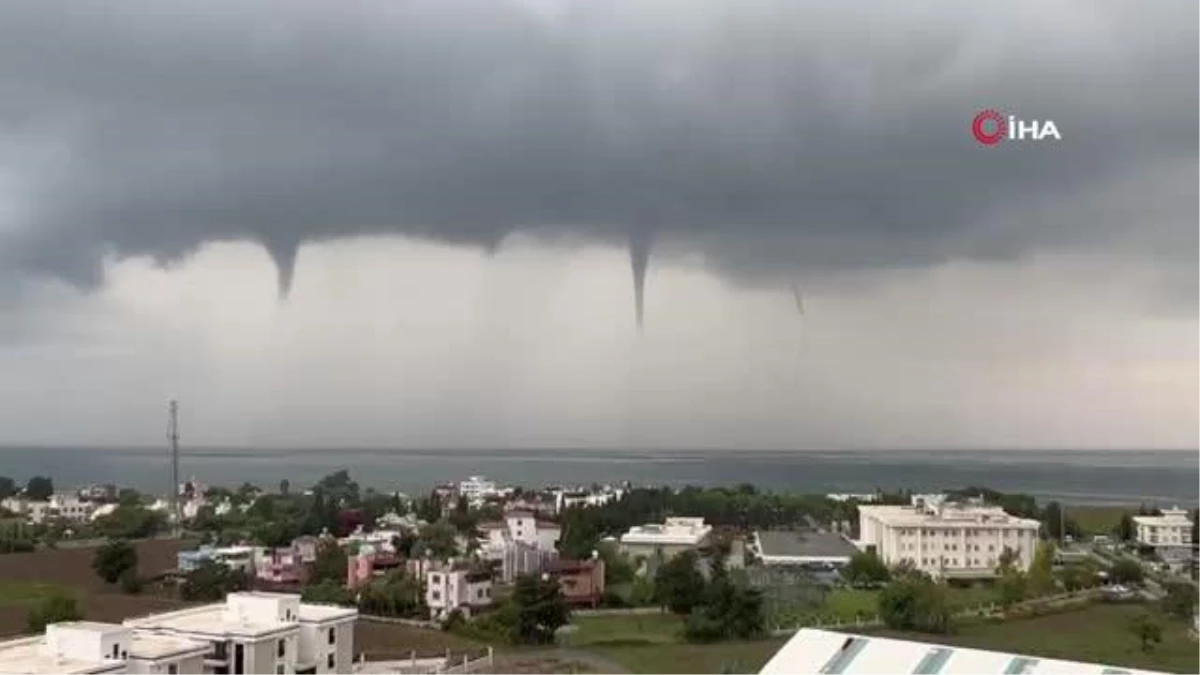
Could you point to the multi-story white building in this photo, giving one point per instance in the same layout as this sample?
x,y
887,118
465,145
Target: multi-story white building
x,y
60,506
1170,535
449,588
478,488
262,633
948,539
527,528
674,536
91,647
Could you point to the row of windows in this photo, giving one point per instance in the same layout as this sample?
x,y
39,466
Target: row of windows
x,y
912,532
946,547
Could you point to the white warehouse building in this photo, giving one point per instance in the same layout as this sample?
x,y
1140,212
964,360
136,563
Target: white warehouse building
x,y
947,539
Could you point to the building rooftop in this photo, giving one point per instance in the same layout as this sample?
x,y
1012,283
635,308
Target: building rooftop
x,y
1169,517
818,651
208,620
30,656
154,647
312,613
685,531
803,544
945,515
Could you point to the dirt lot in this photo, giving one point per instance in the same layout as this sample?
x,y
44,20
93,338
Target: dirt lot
x,y
71,569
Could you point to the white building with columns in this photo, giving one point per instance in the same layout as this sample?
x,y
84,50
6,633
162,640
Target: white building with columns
x,y
1172,529
947,539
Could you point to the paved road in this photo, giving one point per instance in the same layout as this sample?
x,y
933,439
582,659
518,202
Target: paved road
x,y
594,662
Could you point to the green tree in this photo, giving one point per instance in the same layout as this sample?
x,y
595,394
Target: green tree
x,y
327,592
729,610
131,522
1056,523
131,583
212,581
1077,577
439,540
397,594
39,488
330,563
1007,561
129,497
1147,630
1011,588
617,567
8,487
54,608
285,486
1041,571
1126,571
679,586
1125,530
865,569
540,610
915,604
113,559
1180,599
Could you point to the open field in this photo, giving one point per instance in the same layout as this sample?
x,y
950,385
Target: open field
x,y
28,577
1098,519
731,657
1099,633
383,641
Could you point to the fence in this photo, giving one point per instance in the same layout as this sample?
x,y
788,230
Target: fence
x,y
412,663
984,610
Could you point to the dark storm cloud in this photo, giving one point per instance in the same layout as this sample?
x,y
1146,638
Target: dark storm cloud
x,y
773,136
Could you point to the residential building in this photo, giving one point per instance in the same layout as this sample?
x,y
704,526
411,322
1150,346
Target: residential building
x,y
526,527
582,581
1169,535
60,506
257,632
860,497
477,488
806,548
92,647
236,558
370,563
948,539
454,587
818,651
518,558
284,565
667,540
585,497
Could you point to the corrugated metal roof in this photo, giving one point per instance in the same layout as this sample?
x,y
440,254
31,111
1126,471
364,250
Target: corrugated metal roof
x,y
818,651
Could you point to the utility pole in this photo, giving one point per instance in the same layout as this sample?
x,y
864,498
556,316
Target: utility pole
x,y
173,444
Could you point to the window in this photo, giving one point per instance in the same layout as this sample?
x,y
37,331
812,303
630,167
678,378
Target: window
x,y
329,661
116,650
435,579
279,669
436,595
281,649
173,669
332,636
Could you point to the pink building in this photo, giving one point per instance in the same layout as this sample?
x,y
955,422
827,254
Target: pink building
x,y
368,565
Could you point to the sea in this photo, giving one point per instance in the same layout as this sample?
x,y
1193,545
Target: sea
x,y
1074,477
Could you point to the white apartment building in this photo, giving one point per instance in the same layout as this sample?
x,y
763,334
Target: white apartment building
x,y
476,488
673,536
1172,529
525,527
62,506
262,633
451,588
947,540
1170,535
91,647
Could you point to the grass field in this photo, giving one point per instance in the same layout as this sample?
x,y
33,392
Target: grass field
x,y
27,592
732,657
1098,519
1099,633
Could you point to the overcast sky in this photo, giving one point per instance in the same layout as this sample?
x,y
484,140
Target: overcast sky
x,y
428,223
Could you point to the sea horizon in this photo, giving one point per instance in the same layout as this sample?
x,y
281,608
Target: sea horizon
x,y
1107,476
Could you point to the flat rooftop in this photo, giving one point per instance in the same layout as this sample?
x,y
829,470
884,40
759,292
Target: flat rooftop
x,y
154,647
818,651
207,620
950,516
28,656
804,544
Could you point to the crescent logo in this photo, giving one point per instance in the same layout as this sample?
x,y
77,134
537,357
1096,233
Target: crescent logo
x,y
989,127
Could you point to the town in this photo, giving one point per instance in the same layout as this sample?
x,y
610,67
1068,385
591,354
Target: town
x,y
479,577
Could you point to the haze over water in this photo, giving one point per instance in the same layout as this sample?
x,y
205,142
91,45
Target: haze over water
x,y
1078,477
